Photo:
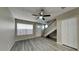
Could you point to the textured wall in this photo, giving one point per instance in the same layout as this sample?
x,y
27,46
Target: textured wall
x,y
7,29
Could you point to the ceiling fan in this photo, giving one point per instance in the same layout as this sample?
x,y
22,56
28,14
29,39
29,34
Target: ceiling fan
x,y
41,15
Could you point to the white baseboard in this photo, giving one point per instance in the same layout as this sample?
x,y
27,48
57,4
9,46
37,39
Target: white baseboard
x,y
27,38
59,43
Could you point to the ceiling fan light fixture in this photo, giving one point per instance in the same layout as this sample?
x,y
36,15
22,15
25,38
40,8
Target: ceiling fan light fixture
x,y
40,17
41,13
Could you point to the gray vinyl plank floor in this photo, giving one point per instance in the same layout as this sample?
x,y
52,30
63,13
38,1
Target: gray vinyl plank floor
x,y
39,44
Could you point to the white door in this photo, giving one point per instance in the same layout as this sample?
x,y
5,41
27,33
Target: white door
x,y
69,32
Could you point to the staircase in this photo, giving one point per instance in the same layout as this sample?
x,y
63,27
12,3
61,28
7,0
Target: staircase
x,y
51,28
53,35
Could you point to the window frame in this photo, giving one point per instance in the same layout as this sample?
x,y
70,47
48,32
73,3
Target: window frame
x,y
23,22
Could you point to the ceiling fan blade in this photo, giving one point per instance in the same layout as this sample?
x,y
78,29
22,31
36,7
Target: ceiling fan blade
x,y
46,15
35,15
37,18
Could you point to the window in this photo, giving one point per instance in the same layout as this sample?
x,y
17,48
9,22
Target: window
x,y
24,29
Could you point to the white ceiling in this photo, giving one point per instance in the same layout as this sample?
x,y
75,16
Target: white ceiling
x,y
25,13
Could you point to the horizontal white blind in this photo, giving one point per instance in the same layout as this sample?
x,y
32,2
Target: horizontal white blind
x,y
24,29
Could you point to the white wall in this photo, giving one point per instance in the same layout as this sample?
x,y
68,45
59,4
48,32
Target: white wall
x,y
7,29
